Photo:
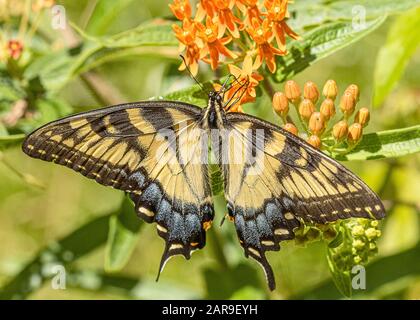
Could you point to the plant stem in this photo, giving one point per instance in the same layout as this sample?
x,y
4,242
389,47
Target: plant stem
x,y
103,92
218,249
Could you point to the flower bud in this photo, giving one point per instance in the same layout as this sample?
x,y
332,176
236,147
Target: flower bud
x,y
316,123
292,91
340,130
310,91
330,89
347,103
355,133
327,109
354,90
306,108
362,116
371,233
357,259
357,230
291,128
280,104
314,141
358,244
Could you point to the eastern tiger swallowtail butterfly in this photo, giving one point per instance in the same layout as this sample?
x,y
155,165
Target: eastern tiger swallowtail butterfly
x,y
158,152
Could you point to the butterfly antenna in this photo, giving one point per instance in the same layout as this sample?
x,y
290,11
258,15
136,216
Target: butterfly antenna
x,y
229,103
191,74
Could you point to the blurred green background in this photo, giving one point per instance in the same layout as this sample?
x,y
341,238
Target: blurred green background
x,y
33,217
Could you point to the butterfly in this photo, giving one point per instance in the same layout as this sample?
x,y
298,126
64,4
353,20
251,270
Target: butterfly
x,y
158,153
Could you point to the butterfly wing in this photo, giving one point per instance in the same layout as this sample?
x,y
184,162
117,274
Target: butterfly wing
x,y
280,180
152,150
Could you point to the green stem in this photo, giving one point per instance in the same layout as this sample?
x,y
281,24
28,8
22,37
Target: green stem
x,y
217,249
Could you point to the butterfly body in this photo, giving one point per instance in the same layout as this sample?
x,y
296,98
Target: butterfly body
x,y
157,152
213,116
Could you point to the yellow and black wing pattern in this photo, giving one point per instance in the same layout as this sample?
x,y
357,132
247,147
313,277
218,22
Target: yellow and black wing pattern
x,y
138,148
284,180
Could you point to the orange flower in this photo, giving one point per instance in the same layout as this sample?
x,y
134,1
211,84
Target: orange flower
x,y
15,48
181,9
250,10
187,36
243,87
277,13
226,18
212,44
262,35
192,56
205,7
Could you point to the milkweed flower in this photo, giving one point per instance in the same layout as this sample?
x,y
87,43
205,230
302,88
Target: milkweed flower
x,y
226,18
212,44
262,35
181,9
277,14
318,118
250,9
247,76
243,35
242,89
205,7
187,42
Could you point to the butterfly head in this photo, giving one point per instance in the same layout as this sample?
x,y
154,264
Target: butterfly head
x,y
216,97
214,114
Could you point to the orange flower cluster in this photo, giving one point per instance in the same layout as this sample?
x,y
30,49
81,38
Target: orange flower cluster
x,y
13,46
314,121
249,31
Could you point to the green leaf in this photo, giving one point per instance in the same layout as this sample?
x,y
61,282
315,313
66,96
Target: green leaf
x,y
123,233
317,12
382,271
152,33
403,40
13,139
77,244
341,279
104,14
129,286
320,43
385,144
224,284
9,89
338,240
56,69
193,95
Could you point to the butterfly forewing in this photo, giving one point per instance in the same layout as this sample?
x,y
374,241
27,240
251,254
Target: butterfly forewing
x,y
137,148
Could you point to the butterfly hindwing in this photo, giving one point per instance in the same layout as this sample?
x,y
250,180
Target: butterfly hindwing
x,y
148,149
284,180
